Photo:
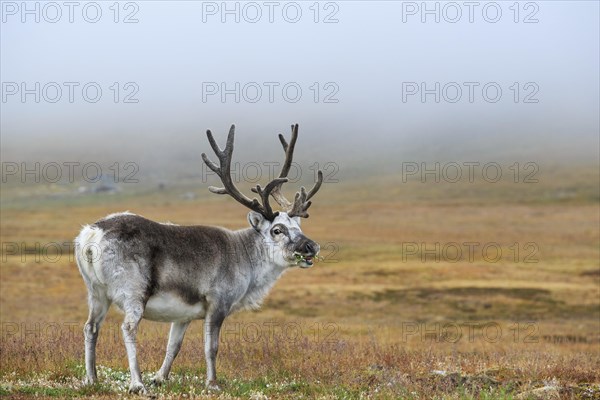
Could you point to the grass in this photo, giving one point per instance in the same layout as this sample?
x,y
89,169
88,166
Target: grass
x,y
376,319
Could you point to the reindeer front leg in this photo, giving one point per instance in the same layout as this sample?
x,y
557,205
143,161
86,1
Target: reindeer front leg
x,y
212,327
175,339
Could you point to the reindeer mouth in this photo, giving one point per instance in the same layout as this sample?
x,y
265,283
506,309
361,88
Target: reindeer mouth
x,y
304,261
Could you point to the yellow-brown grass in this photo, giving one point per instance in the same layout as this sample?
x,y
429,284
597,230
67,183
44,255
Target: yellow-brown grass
x,y
371,319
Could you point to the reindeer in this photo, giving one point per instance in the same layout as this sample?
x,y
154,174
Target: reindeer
x,y
177,274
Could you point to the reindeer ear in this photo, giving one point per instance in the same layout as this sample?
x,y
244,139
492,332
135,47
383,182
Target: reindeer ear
x,y
258,221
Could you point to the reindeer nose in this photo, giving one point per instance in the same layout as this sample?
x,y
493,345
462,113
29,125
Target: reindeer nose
x,y
311,247
307,246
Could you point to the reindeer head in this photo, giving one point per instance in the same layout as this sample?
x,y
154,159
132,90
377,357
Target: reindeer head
x,y
280,231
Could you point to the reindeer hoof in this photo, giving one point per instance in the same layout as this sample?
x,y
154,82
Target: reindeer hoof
x,y
137,388
88,381
157,380
212,386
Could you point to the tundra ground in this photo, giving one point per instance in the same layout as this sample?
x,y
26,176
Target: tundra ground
x,y
426,290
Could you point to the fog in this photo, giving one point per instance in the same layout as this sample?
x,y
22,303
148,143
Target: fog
x,y
371,84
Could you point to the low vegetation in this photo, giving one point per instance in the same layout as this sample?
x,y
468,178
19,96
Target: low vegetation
x,y
393,311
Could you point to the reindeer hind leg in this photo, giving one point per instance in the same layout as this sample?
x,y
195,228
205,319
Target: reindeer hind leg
x,y
134,311
98,306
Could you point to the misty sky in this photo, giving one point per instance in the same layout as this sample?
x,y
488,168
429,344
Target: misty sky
x,y
362,71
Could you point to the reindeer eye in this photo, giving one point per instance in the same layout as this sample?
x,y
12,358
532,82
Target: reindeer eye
x,y
276,231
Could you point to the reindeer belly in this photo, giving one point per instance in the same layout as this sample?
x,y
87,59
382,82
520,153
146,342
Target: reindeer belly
x,y
168,307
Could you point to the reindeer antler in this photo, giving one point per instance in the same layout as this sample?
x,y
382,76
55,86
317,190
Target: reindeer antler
x,y
301,200
223,170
